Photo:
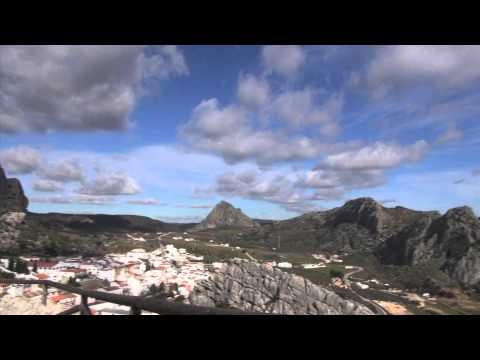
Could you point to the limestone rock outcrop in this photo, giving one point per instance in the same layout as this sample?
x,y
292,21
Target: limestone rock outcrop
x,y
12,197
452,240
251,286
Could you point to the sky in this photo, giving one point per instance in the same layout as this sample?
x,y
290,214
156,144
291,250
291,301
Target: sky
x,y
169,131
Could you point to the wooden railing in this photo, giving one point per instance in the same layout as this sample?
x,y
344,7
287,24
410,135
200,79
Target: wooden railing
x,y
136,303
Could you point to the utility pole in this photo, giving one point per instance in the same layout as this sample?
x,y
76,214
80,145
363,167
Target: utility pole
x,y
278,242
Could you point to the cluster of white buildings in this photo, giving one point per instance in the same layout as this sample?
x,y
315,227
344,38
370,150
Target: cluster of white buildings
x,y
137,270
132,273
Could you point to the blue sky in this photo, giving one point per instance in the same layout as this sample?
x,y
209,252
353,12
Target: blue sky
x,y
168,131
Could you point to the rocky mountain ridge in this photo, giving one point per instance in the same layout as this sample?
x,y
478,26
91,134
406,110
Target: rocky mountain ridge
x,y
453,240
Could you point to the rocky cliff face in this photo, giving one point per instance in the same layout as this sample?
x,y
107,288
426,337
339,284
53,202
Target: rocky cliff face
x,y
360,224
224,214
452,240
13,206
255,287
12,197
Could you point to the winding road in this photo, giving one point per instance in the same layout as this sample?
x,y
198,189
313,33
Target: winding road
x,y
346,279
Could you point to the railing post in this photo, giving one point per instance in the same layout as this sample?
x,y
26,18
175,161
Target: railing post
x,y
135,311
84,309
44,295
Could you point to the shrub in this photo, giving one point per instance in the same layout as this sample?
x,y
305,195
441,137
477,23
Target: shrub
x,y
336,274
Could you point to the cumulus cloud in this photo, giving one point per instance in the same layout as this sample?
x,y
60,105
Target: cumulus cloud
x,y
47,186
270,187
20,160
401,66
78,87
145,202
376,156
333,184
298,109
252,91
229,133
63,171
73,199
117,183
284,60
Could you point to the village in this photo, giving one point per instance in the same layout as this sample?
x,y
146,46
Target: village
x,y
133,273
141,273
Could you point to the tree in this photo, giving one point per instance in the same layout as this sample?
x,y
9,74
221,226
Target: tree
x,y
21,267
336,274
35,267
11,264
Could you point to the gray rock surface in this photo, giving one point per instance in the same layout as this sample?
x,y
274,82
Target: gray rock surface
x,y
453,240
12,197
224,214
250,286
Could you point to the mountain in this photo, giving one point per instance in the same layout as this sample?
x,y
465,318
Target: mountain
x,y
224,214
451,240
360,224
12,197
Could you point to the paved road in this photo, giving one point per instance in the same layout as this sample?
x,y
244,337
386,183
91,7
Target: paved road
x,y
346,278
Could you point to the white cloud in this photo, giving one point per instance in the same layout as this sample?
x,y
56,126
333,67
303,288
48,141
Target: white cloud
x,y
298,109
284,60
78,87
20,160
118,183
271,187
401,66
145,202
62,171
253,92
73,199
377,156
47,186
229,132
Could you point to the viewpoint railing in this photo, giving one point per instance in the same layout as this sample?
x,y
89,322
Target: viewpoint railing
x,y
137,304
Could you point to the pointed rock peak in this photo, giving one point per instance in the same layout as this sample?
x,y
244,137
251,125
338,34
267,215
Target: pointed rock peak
x,y
362,202
224,204
225,214
363,211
